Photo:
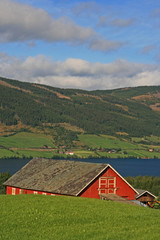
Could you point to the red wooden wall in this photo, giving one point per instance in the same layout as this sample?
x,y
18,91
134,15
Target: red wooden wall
x,y
122,188
10,190
92,191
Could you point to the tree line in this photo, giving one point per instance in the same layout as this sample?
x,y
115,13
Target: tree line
x,y
3,177
149,183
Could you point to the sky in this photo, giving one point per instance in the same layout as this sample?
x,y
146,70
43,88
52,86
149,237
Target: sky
x,y
89,45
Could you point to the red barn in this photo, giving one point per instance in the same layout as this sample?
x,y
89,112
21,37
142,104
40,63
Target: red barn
x,y
72,178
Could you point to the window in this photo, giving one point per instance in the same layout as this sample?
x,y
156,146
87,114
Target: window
x,y
35,192
20,191
13,191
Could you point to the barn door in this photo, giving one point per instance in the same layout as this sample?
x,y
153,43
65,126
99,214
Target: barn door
x,y
107,185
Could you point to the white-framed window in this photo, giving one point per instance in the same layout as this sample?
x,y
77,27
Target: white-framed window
x,y
20,191
107,185
35,192
13,191
44,193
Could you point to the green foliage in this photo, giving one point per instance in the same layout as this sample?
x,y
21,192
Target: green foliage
x,y
6,153
132,91
96,112
64,137
51,217
7,116
150,183
3,178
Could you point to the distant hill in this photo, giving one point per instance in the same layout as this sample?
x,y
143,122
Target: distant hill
x,y
42,121
127,111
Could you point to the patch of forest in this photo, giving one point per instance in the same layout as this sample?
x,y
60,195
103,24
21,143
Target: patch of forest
x,y
3,177
96,112
149,183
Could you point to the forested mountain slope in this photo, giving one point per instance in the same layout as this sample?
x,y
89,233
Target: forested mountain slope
x,y
126,111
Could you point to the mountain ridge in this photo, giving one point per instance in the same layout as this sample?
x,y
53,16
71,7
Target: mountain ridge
x,y
45,104
134,111
43,121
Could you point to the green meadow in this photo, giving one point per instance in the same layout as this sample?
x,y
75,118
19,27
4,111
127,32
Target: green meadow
x,y
39,217
105,141
126,147
26,140
28,145
7,153
25,144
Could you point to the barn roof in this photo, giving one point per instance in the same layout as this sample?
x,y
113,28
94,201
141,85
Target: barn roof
x,y
141,192
56,176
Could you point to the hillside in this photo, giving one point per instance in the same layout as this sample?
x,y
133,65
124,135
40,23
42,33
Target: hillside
x,y
50,217
68,116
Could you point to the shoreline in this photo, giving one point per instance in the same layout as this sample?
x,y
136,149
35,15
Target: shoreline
x,y
79,158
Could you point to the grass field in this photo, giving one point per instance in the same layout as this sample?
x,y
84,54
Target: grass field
x,y
104,141
84,154
30,153
154,139
26,140
31,217
7,153
132,148
26,144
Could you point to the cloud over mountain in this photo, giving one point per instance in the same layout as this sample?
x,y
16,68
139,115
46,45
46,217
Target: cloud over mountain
x,y
78,73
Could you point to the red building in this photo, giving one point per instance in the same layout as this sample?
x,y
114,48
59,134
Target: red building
x,y
72,178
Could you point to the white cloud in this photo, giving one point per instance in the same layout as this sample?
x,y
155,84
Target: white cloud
x,y
20,22
115,22
78,73
104,45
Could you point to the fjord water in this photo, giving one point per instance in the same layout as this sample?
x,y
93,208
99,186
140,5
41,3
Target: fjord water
x,y
134,167
126,167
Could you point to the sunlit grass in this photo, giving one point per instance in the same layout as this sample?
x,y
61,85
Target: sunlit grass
x,y
26,140
49,217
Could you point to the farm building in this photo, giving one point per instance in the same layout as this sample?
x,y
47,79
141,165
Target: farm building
x,y
145,196
72,178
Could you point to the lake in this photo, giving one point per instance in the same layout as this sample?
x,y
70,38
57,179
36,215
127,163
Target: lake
x,y
126,167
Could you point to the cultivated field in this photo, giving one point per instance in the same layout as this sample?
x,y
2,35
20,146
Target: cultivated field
x,y
66,218
26,140
135,147
28,145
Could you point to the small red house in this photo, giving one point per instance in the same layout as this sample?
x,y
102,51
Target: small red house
x,y
72,178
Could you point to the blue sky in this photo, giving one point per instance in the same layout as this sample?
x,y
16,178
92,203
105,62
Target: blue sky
x,y
81,44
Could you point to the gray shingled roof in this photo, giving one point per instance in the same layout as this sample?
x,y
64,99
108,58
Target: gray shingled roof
x,y
56,176
141,192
